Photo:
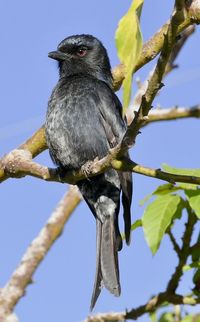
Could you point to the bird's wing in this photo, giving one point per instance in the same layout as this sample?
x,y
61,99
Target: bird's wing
x,y
115,127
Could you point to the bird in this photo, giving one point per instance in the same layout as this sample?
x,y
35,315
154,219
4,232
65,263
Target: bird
x,y
84,121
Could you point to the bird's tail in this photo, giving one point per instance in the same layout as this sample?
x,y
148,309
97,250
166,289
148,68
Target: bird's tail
x,y
107,268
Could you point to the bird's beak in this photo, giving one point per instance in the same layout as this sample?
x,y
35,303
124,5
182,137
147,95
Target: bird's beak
x,y
57,55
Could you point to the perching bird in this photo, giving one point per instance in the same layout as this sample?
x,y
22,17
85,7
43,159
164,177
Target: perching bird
x,y
84,120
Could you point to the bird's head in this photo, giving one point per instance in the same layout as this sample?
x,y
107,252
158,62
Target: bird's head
x,y
83,54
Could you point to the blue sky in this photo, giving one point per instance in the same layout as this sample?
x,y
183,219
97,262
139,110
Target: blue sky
x,y
63,283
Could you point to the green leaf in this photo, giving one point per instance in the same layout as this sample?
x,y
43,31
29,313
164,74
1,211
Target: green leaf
x,y
191,318
188,318
178,213
152,316
157,218
165,189
191,266
193,197
183,171
160,190
166,317
179,210
129,45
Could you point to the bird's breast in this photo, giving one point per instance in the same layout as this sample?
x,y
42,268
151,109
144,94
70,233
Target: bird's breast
x,y
74,131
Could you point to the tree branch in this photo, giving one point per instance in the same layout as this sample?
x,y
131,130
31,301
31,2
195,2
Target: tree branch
x,y
33,146
148,307
22,276
128,165
184,253
18,164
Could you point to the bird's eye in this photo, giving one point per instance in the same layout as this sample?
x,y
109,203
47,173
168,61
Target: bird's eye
x,y
81,52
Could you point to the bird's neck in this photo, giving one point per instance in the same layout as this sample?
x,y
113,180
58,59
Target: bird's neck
x,y
98,73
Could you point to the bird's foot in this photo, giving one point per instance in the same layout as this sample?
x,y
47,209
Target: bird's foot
x,y
86,169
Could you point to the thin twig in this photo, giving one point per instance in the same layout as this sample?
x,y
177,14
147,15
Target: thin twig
x,y
174,243
173,113
169,114
182,38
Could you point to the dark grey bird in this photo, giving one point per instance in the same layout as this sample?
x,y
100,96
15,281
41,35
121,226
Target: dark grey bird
x,y
84,120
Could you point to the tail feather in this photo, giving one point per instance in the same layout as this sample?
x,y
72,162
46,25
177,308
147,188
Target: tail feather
x,y
126,184
107,267
109,257
102,194
98,275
